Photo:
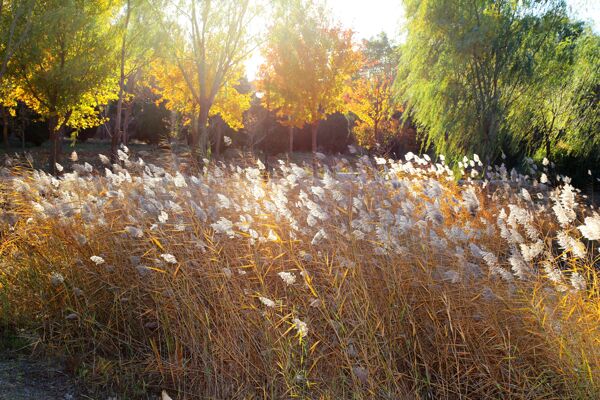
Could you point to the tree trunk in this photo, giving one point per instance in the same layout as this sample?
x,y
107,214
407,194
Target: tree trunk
x,y
116,133
314,129
548,135
376,131
56,139
5,129
116,136
491,126
200,149
203,141
194,134
291,133
219,138
21,108
126,120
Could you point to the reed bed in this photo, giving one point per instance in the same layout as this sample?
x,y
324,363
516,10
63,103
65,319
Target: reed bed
x,y
376,279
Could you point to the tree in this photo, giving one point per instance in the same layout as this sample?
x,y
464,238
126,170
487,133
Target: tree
x,y
10,93
65,71
169,81
464,64
15,24
212,44
562,105
584,138
137,37
370,96
8,103
166,79
308,61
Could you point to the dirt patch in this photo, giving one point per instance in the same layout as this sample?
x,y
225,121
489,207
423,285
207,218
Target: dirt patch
x,y
23,378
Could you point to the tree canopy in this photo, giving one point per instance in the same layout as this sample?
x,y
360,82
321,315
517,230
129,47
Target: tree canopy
x,y
308,61
465,63
65,71
560,112
211,40
477,76
370,95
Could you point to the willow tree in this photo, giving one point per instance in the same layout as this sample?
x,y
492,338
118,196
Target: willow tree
x,y
215,41
584,136
465,62
65,72
308,62
562,111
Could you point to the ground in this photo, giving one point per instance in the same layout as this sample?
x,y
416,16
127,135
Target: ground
x,y
26,374
24,378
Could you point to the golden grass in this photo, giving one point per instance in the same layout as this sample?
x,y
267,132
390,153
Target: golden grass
x,y
385,328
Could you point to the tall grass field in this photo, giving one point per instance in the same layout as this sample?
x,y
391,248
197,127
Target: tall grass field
x,y
374,279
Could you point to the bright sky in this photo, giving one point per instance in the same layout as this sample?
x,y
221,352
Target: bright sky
x,y
370,17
